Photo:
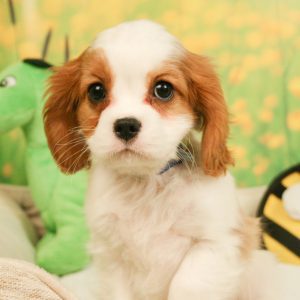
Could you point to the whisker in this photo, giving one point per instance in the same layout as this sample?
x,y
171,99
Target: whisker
x,y
73,154
185,162
76,140
189,153
68,148
77,160
63,153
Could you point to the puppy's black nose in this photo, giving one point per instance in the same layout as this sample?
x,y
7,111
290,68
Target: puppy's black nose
x,y
127,128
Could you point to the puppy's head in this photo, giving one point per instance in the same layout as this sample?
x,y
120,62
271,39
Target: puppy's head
x,y
130,99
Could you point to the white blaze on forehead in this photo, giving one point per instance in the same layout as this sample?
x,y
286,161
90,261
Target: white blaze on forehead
x,y
133,49
138,43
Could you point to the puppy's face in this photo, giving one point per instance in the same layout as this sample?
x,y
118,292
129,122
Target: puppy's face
x,y
130,99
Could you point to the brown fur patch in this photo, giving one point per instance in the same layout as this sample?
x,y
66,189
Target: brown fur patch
x,y
177,105
205,96
248,233
69,116
197,92
96,69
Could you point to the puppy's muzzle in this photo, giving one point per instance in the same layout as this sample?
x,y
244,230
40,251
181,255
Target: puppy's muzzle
x,y
127,128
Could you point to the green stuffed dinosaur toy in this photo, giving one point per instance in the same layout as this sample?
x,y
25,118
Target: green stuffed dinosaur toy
x,y
58,197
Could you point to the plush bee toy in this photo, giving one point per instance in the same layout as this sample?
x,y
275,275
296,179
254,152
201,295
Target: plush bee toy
x,y
280,215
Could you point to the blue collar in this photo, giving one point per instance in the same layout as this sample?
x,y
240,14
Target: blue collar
x,y
170,164
182,157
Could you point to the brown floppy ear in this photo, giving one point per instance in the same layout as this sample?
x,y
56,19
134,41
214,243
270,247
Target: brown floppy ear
x,y
66,142
207,100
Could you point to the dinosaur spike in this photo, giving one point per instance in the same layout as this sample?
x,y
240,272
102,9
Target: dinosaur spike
x,y
67,49
37,63
46,44
12,12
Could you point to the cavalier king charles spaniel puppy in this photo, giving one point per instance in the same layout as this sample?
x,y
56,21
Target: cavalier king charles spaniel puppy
x,y
148,118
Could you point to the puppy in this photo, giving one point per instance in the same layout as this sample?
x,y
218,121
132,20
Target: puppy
x,y
161,207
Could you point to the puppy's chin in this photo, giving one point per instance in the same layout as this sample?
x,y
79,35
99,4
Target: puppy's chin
x,y
132,163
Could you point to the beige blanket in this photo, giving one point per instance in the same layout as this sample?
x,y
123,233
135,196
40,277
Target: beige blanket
x,y
20,280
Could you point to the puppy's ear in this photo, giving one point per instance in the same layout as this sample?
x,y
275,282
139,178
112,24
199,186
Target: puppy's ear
x,y
66,142
207,100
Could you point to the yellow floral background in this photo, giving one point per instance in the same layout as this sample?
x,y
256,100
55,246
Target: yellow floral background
x,y
254,44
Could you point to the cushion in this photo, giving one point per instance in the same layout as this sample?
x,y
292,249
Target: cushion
x,y
21,280
17,235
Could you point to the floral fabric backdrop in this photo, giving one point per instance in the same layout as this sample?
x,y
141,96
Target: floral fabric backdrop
x,y
254,44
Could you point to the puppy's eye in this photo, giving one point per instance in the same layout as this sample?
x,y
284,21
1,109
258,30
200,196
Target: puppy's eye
x,y
96,92
163,90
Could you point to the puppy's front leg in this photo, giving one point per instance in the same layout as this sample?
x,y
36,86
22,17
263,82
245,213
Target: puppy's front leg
x,y
121,290
113,285
209,271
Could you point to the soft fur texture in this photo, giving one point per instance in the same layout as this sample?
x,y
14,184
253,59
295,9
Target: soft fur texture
x,y
178,235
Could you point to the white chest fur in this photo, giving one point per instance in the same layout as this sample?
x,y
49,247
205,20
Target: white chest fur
x,y
145,227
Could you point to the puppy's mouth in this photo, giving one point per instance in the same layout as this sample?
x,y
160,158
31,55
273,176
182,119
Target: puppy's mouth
x,y
128,152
